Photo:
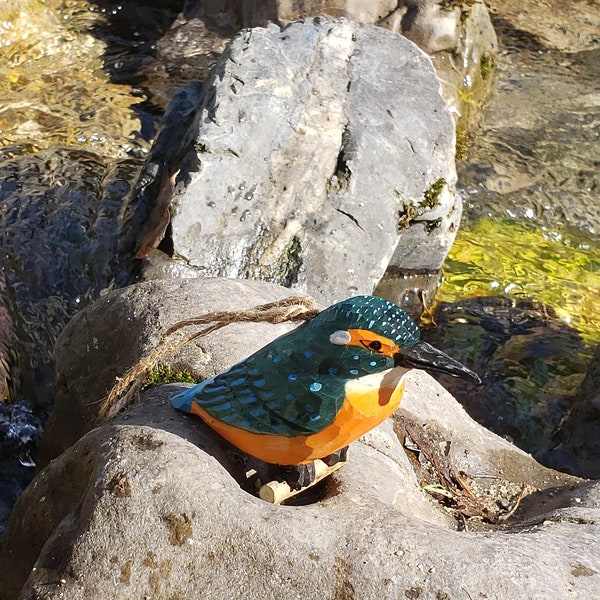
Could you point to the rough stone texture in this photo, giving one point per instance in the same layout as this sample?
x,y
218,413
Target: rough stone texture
x,y
463,45
149,506
315,149
154,504
108,337
572,27
579,447
458,35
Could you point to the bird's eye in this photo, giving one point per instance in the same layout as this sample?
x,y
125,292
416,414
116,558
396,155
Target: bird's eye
x,y
375,345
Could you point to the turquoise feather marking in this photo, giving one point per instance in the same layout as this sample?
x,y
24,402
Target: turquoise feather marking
x,y
295,385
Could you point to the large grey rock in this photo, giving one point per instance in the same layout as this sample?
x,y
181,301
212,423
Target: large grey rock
x,y
316,150
154,504
103,341
151,505
458,35
462,43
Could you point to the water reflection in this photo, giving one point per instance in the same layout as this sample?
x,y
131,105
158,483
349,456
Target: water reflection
x,y
537,156
522,284
530,361
75,126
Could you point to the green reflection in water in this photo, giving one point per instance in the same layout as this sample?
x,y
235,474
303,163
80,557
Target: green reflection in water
x,y
558,269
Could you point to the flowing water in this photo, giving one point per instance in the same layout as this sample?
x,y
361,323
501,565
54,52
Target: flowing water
x,y
522,283
72,137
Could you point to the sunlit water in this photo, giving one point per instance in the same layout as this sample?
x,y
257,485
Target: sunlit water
x,y
521,292
54,89
72,138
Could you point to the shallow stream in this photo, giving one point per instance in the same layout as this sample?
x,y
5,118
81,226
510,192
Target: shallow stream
x,y
521,292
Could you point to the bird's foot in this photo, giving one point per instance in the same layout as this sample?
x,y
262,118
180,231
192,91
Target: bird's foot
x,y
298,476
336,457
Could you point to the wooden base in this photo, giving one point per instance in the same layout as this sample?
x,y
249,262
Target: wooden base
x,y
276,492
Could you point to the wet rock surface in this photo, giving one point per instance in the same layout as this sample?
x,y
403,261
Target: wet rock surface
x,y
578,445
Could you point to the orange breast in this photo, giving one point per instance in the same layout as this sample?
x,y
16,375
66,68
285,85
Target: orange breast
x,y
368,402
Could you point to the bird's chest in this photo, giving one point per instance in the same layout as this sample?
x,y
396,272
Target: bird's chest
x,y
374,396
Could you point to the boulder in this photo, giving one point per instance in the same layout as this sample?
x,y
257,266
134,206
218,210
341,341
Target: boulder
x,y
318,152
153,505
458,35
103,341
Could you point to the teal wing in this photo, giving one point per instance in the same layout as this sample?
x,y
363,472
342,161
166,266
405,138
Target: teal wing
x,y
283,404
293,386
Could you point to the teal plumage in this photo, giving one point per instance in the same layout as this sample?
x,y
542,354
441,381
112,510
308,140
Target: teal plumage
x,y
314,390
295,385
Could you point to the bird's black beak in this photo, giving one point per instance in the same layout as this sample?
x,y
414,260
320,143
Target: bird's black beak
x,y
424,356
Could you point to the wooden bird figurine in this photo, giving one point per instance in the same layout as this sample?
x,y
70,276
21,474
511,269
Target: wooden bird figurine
x,y
311,392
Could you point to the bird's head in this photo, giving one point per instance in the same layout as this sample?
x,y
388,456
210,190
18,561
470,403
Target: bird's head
x,y
378,334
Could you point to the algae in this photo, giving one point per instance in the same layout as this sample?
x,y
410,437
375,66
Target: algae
x,y
165,374
431,196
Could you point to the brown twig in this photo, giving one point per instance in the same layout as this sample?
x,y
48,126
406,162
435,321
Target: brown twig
x,y
512,511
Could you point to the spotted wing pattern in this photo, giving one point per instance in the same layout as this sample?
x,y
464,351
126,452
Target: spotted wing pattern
x,y
296,384
280,390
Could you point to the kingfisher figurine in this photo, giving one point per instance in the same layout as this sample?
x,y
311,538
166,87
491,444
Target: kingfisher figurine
x,y
313,391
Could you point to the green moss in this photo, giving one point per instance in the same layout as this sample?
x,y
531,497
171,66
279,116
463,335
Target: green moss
x,y
406,216
486,66
559,269
432,224
409,213
164,374
431,195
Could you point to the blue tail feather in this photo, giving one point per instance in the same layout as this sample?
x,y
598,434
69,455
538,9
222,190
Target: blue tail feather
x,y
183,400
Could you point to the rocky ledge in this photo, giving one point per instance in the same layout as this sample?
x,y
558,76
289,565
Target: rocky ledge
x,y
153,504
